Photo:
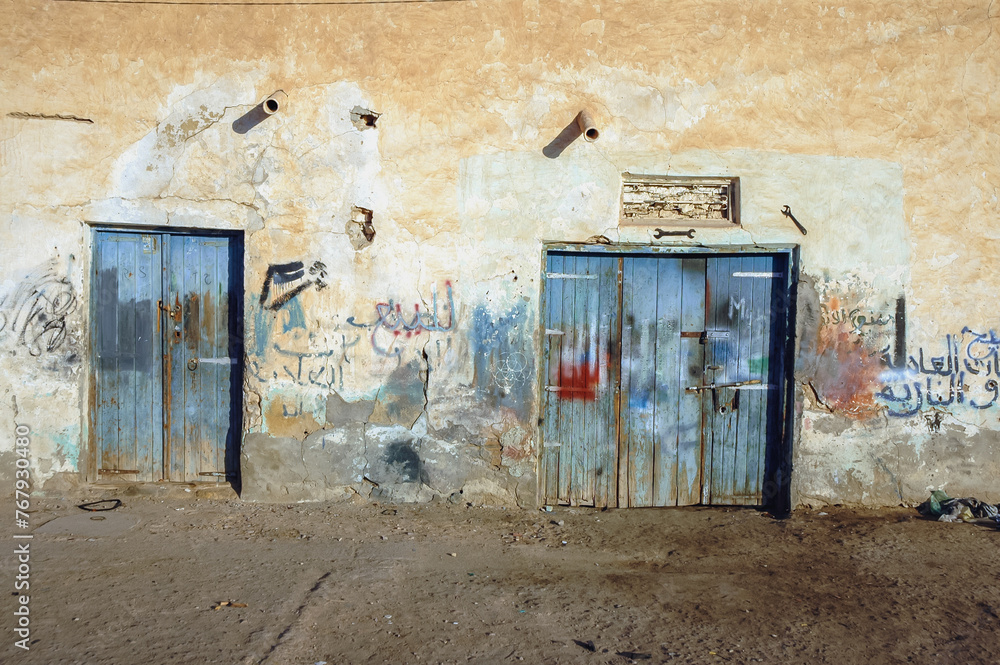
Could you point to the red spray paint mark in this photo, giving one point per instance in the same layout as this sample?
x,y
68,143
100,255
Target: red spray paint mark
x,y
579,380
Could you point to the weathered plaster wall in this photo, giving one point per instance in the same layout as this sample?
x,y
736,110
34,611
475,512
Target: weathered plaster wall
x,y
876,123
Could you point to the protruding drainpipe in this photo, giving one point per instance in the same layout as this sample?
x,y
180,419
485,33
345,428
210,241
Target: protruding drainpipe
x,y
587,126
274,103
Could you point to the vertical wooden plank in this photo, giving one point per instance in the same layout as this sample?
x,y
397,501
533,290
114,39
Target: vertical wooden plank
x,y
606,425
617,325
127,383
596,412
582,381
158,335
106,314
553,436
642,381
210,357
692,437
193,329
667,380
567,377
587,462
148,430
174,360
624,420
755,400
223,370
772,348
741,304
724,347
714,367
715,372
215,336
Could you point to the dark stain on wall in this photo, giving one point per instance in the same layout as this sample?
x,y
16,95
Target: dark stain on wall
x,y
401,458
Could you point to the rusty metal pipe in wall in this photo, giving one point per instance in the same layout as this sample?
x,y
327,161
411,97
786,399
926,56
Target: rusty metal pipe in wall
x,y
274,103
587,126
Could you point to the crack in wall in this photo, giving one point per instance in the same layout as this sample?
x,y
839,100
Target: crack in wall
x,y
816,399
23,115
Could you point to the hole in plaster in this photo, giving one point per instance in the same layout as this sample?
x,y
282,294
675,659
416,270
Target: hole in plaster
x,y
364,118
359,228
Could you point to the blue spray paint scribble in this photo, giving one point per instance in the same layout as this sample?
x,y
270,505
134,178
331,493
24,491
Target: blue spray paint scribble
x,y
295,316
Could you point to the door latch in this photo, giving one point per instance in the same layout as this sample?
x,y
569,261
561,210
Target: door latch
x,y
714,386
193,364
173,312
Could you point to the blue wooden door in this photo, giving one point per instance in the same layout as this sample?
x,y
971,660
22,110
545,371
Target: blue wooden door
x,y
167,356
662,378
744,366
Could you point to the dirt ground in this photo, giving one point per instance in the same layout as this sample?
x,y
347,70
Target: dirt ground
x,y
443,583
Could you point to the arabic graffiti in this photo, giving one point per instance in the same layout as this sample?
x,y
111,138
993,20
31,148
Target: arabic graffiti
x,y
854,329
858,320
35,313
966,374
284,281
391,323
324,369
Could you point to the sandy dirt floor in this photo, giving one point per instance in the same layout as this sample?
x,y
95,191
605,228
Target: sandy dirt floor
x,y
442,583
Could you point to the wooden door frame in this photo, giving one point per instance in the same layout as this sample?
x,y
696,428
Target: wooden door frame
x,y
89,472
776,489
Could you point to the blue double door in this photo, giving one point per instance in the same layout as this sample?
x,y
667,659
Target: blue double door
x,y
166,318
664,379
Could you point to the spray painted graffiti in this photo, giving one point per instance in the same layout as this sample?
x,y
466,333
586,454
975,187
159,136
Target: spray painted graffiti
x,y
580,376
391,323
859,321
852,337
503,367
284,281
323,369
511,371
966,373
35,313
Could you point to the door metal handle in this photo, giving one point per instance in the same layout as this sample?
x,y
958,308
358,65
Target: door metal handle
x,y
193,364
